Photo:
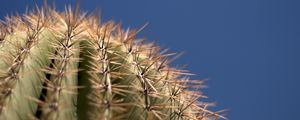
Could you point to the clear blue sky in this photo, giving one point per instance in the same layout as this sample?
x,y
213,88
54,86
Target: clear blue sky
x,y
248,48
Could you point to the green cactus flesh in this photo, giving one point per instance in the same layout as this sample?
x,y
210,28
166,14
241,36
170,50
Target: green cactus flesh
x,y
68,66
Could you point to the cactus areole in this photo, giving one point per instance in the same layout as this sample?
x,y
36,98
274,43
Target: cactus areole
x,y
69,66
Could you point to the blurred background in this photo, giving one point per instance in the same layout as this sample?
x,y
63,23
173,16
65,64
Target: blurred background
x,y
249,49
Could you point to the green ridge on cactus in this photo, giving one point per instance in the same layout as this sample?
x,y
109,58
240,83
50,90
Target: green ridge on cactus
x,y
69,66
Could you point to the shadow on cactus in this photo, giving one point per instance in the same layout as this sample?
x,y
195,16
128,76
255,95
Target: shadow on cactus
x,y
69,65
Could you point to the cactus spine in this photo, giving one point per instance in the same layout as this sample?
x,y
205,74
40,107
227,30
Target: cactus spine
x,y
68,66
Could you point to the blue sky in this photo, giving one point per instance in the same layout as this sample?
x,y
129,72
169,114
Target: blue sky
x,y
249,49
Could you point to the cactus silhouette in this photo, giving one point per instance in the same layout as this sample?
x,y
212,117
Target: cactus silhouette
x,y
69,65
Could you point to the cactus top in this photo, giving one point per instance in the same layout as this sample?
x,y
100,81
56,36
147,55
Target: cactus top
x,y
69,65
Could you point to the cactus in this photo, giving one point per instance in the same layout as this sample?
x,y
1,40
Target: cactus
x,y
69,65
